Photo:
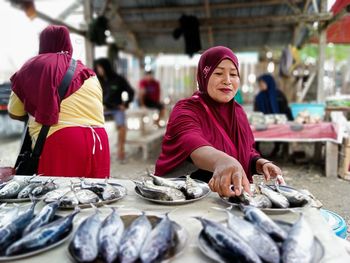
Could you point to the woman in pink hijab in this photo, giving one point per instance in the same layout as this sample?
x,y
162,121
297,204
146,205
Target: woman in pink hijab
x,y
211,130
77,143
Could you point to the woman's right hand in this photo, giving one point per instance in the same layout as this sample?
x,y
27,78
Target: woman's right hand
x,y
229,172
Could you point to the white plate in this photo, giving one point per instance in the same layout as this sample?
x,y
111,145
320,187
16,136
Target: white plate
x,y
41,250
121,188
204,186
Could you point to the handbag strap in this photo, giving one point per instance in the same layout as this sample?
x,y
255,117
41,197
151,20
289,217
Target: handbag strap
x,y
211,116
62,90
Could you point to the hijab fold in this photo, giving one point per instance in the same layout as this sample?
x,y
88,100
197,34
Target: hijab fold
x,y
190,127
37,81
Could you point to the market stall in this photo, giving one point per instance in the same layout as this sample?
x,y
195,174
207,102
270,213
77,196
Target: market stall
x,y
333,247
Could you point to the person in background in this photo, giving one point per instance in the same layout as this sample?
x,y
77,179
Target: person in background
x,y
271,100
117,94
77,143
211,130
149,94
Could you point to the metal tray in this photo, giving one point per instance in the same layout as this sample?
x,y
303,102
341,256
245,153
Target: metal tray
x,y
204,186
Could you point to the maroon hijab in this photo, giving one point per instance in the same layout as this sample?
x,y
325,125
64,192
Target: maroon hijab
x,y
190,127
37,81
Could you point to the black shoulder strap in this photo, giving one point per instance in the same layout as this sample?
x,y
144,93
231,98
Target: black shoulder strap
x,y
62,90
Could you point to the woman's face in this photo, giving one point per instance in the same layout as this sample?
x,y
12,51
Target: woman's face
x,y
262,85
223,82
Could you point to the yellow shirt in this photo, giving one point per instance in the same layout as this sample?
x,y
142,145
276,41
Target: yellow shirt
x,y
83,107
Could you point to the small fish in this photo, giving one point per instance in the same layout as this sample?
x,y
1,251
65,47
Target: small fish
x,y
179,185
298,247
193,189
158,242
110,235
84,245
11,189
44,188
110,192
261,220
94,187
277,199
133,238
86,196
227,244
26,191
164,193
45,216
261,201
295,198
69,199
56,194
43,236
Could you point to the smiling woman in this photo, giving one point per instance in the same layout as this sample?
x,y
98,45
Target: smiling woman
x,y
211,130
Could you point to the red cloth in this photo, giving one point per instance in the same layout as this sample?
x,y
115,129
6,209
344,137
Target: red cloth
x,y
190,127
152,90
68,153
37,81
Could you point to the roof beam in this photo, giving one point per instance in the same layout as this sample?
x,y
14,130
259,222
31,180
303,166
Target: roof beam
x,y
252,21
213,6
70,9
210,29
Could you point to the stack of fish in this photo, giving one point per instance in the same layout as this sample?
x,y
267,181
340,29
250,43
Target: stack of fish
x,y
20,189
110,241
24,232
257,238
274,196
85,193
171,190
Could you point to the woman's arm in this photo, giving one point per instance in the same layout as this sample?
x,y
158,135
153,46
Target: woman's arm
x,y
15,108
227,171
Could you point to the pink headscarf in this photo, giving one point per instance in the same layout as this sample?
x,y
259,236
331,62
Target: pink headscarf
x,y
190,127
37,81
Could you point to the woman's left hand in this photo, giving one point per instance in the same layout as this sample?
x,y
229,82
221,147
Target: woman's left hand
x,y
272,171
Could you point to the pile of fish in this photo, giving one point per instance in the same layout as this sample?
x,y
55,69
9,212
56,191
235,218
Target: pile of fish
x,y
85,193
257,238
22,189
274,196
163,189
112,241
24,232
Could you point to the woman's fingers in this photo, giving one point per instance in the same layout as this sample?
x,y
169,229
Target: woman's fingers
x,y
225,185
280,180
246,185
237,183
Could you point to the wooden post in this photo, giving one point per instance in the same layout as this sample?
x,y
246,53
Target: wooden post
x,y
321,58
331,156
89,47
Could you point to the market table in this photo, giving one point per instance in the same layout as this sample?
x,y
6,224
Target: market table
x,y
183,214
326,132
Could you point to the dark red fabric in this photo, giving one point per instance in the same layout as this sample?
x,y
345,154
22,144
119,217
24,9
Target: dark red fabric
x,y
152,90
68,153
37,81
189,126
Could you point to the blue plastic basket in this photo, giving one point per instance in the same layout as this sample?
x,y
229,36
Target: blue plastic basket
x,y
336,222
312,108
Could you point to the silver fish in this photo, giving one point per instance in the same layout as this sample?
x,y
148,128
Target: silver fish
x,y
227,244
44,188
43,236
45,216
261,242
133,238
26,191
277,199
84,245
149,190
56,194
295,198
94,187
110,235
110,192
261,220
86,196
13,230
261,201
69,199
179,185
11,189
193,189
158,242
298,247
